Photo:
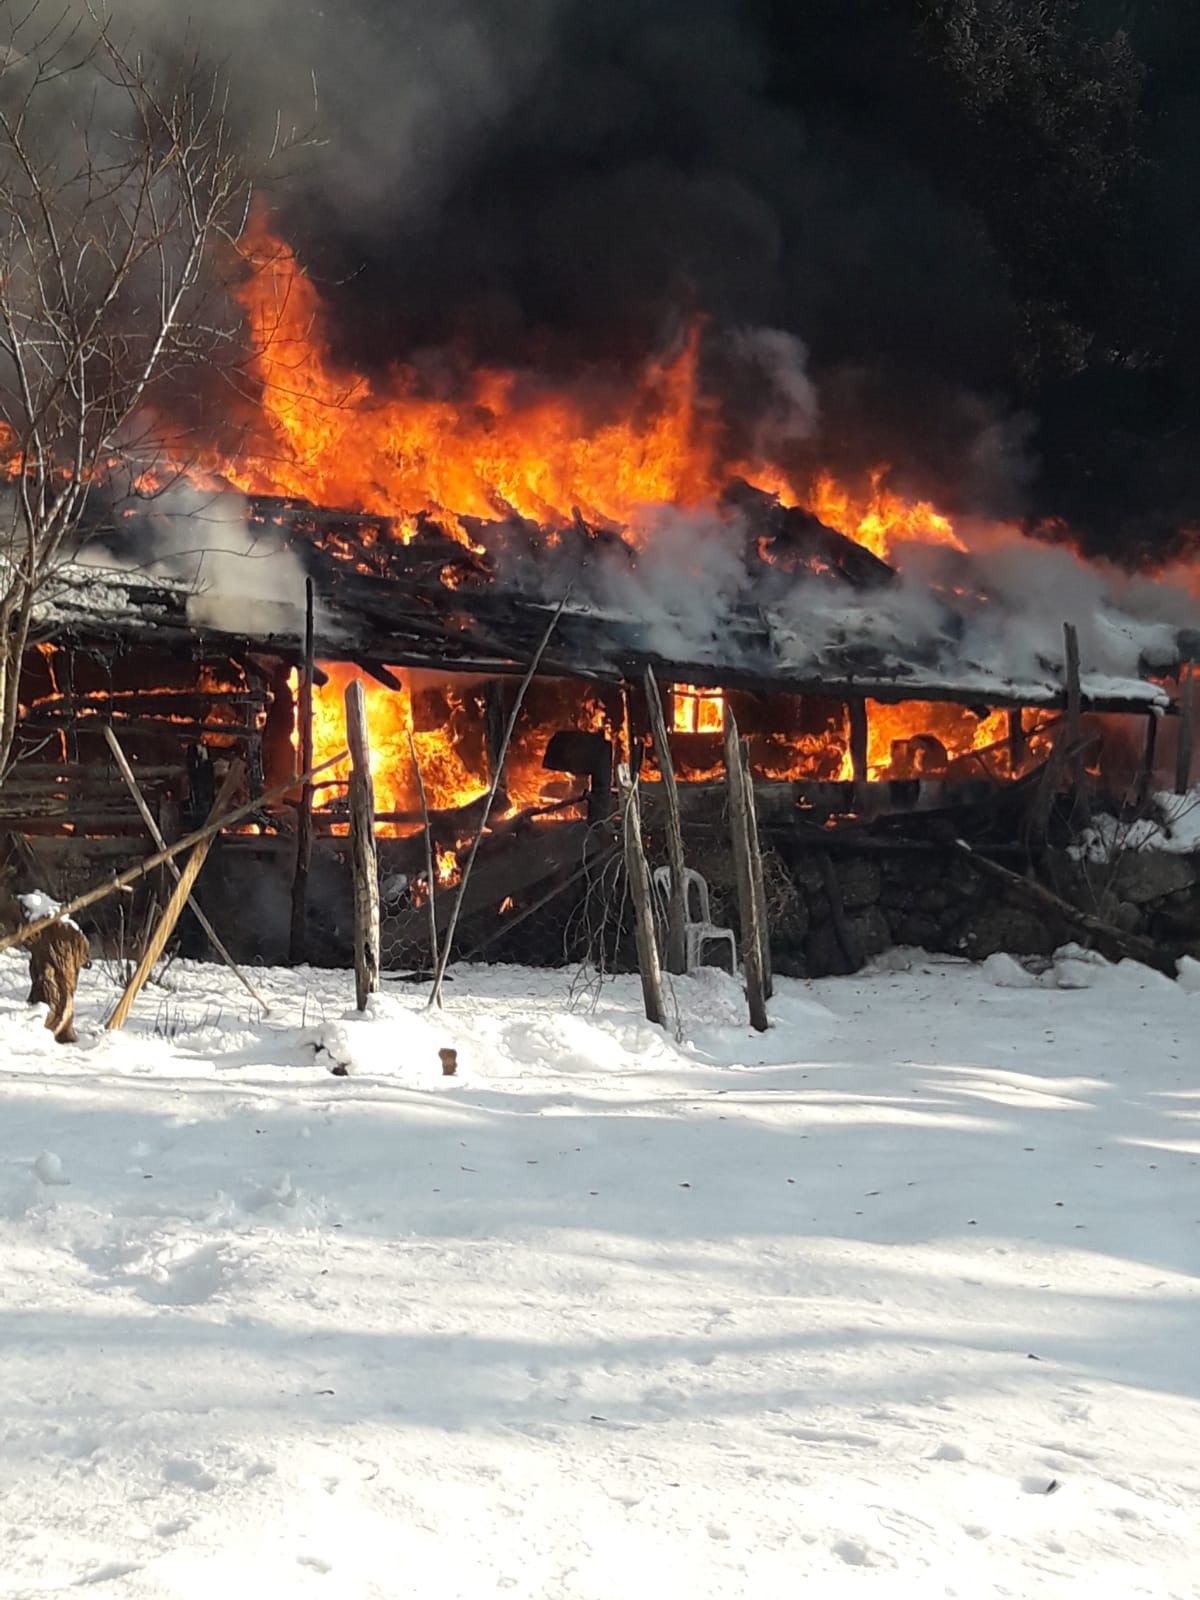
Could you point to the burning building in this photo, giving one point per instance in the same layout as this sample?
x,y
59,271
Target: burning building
x,y
881,659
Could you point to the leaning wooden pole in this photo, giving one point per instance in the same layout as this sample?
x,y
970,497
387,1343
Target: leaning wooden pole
x,y
155,832
363,855
435,994
638,875
756,873
173,909
29,930
1081,811
749,902
677,902
297,942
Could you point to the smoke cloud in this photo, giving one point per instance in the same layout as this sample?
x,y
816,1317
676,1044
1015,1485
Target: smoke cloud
x,y
984,274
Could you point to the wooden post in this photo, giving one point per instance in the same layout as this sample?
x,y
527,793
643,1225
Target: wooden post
x,y
494,716
363,856
1080,807
640,892
1150,749
677,905
155,832
756,875
1018,744
174,906
430,874
857,715
297,942
748,901
1186,725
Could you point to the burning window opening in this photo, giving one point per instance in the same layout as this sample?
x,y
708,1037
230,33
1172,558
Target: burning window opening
x,y
698,710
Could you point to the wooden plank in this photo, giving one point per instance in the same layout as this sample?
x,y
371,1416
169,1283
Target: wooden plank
x,y
1080,805
297,934
363,856
1018,743
669,795
179,898
1187,722
430,874
143,869
748,901
155,833
856,711
640,893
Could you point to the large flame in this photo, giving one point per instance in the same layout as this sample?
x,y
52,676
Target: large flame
x,y
506,442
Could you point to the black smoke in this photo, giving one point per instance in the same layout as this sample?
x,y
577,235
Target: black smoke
x,y
978,216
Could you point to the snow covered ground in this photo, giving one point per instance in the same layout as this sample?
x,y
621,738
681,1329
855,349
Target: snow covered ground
x,y
900,1298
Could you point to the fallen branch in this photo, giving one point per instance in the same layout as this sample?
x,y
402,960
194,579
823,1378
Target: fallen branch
x,y
1113,943
122,881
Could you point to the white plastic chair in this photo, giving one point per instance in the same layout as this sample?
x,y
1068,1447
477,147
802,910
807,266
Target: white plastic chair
x,y
697,931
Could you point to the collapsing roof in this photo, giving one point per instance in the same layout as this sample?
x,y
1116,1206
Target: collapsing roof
x,y
755,596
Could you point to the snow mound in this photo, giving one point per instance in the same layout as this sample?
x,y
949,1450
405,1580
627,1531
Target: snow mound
x,y
1006,972
388,1040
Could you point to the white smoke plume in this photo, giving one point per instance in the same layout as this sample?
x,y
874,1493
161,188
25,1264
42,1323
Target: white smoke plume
x,y
238,579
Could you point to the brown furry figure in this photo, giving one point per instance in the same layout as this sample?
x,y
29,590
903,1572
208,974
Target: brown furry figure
x,y
56,956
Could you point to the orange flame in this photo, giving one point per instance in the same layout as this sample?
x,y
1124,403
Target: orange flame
x,y
505,443
881,519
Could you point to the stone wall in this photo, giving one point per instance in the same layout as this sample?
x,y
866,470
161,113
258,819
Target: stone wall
x,y
934,898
